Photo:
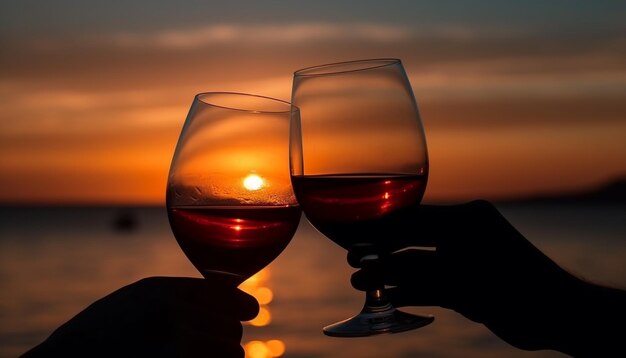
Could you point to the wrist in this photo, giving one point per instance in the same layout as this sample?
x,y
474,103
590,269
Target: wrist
x,y
592,321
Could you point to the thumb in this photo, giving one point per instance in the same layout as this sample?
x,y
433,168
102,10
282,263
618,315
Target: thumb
x,y
247,304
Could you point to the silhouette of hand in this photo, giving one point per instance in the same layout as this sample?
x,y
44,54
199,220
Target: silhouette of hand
x,y
157,317
486,270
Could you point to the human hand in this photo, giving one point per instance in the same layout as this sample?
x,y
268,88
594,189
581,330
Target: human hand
x,y
157,317
482,267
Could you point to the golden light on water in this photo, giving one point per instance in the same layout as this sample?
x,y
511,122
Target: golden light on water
x,y
257,287
253,182
263,318
276,347
264,295
256,349
256,280
268,349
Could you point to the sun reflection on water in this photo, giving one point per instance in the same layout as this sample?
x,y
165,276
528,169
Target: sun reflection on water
x,y
257,287
267,349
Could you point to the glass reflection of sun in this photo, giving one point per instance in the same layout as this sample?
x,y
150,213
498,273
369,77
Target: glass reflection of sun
x,y
253,182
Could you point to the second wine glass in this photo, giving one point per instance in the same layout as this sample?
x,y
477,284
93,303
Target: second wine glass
x,y
358,162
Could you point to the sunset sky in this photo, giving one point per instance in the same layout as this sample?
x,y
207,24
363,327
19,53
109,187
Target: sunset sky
x,y
516,97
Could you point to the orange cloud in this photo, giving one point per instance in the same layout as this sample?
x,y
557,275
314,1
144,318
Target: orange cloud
x,y
80,113
263,34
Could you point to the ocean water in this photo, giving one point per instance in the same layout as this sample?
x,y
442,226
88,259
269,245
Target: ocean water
x,y
56,261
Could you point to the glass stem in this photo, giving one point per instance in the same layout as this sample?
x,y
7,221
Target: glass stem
x,y
375,299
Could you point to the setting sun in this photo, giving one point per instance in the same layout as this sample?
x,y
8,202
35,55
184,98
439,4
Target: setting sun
x,y
253,182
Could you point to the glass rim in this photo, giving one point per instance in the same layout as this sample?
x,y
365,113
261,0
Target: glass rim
x,y
352,66
200,97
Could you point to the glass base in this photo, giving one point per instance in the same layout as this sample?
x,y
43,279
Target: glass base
x,y
369,323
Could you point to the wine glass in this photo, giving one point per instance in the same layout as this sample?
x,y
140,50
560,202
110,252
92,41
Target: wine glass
x,y
358,161
229,198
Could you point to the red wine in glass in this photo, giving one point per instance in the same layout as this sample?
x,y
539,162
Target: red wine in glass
x,y
236,241
346,208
